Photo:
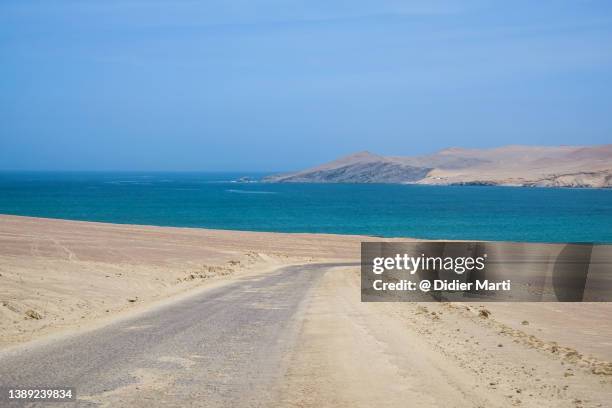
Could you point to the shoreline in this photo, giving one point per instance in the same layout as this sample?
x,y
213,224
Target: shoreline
x,y
363,237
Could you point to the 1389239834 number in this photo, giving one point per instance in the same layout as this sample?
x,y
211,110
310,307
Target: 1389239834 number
x,y
39,394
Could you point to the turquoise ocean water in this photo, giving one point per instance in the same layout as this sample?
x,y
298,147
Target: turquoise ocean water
x,y
212,200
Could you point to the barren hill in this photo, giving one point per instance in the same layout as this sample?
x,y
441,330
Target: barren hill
x,y
541,166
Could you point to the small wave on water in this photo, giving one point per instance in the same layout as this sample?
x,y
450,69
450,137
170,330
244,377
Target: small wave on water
x,y
250,191
129,182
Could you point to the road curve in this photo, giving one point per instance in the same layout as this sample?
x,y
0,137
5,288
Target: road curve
x,y
221,347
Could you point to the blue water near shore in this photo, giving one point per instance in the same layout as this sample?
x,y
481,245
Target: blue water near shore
x,y
212,200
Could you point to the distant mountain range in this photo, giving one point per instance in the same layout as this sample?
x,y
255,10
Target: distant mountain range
x,y
538,166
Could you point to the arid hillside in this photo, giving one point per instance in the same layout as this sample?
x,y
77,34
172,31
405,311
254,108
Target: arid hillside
x,y
537,166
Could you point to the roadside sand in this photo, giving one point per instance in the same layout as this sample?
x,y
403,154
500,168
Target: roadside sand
x,y
57,274
354,354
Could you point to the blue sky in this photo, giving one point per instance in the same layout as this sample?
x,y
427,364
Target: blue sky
x,y
281,85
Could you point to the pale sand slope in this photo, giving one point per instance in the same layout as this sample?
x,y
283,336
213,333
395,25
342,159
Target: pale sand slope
x,y
354,354
57,274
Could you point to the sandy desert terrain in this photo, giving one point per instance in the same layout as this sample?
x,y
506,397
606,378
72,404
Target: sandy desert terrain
x,y
333,350
57,274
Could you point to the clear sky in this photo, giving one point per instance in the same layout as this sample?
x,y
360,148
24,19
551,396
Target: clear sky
x,y
282,85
